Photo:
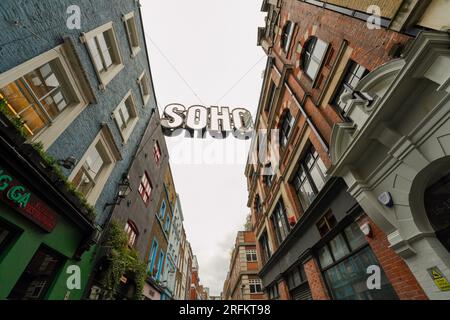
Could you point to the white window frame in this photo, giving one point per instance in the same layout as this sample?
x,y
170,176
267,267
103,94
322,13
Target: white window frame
x,y
134,116
105,138
49,134
287,44
143,77
251,252
107,76
132,33
314,58
254,282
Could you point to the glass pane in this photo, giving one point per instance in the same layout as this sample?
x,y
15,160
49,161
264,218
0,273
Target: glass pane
x,y
325,257
94,161
22,104
317,177
312,69
320,49
347,280
354,236
37,277
105,48
93,48
306,194
83,182
339,247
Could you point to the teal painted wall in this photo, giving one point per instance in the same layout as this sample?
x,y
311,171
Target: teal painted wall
x,y
64,239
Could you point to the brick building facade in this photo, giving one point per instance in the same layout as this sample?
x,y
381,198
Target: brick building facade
x,y
312,235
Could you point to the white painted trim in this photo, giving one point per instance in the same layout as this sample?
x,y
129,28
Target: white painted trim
x,y
93,195
48,135
134,116
134,49
107,76
145,98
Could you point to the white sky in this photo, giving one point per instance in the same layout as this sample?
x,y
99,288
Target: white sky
x,y
212,44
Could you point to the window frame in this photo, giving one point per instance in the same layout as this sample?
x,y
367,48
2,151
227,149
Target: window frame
x,y
277,217
107,76
133,116
157,152
287,123
308,55
350,72
111,152
48,134
252,254
286,37
255,283
131,226
134,49
143,190
303,166
152,255
143,79
264,243
167,224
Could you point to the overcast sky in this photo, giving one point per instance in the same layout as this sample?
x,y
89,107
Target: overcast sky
x,y
212,45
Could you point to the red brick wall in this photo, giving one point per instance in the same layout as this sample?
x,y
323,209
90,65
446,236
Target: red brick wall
x,y
315,280
283,291
396,270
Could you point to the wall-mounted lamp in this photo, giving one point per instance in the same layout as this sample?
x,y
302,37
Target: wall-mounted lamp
x,y
69,163
124,190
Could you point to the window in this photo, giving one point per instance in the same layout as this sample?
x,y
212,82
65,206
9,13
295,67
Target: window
x,y
309,178
287,124
255,285
251,255
7,234
352,77
160,265
265,248
126,116
144,87
344,261
167,224
157,152
132,233
273,292
258,205
268,179
38,276
145,188
271,96
326,223
280,222
286,36
43,94
313,56
298,284
94,168
162,210
132,34
104,52
152,256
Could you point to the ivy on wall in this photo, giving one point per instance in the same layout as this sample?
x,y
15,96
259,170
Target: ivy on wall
x,y
122,260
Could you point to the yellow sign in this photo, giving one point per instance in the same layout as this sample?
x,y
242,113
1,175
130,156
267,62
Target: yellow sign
x,y
439,279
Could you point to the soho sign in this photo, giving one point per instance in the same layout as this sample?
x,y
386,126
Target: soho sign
x,y
217,121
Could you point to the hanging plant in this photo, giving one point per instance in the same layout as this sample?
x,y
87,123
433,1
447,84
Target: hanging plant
x,y
122,260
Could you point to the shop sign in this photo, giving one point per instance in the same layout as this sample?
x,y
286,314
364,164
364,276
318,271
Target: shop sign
x,y
439,279
215,120
18,197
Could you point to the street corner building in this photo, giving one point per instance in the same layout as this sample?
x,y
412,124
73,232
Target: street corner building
x,y
242,281
75,105
356,182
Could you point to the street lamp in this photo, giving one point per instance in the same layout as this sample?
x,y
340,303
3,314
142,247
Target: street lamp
x,y
124,190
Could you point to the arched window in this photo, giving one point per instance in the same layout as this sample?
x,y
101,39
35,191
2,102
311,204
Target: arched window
x,y
286,36
132,233
286,126
313,55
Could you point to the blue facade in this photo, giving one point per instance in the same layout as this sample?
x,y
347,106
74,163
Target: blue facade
x,y
32,27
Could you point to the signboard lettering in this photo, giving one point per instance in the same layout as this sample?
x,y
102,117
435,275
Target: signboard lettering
x,y
17,196
439,279
218,121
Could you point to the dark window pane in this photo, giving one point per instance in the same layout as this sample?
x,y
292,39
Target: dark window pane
x,y
355,236
325,257
339,247
38,276
347,280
